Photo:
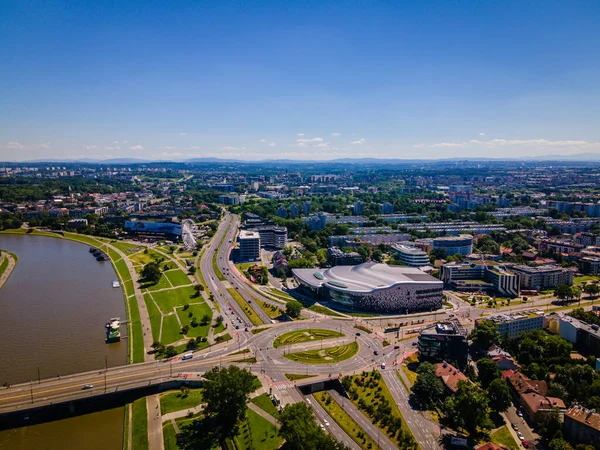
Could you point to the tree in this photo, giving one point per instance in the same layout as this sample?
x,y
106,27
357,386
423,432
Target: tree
x,y
468,408
563,292
293,308
205,320
591,289
170,351
499,395
559,444
151,273
428,387
226,393
487,371
198,288
485,334
301,432
219,320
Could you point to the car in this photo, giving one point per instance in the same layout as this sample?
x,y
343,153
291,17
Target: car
x,y
358,334
246,329
451,315
521,438
308,401
87,386
230,308
519,434
375,352
525,444
414,344
237,327
326,423
514,425
396,347
322,427
519,413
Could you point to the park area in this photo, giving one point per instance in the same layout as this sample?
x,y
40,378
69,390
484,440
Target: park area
x,y
311,334
325,356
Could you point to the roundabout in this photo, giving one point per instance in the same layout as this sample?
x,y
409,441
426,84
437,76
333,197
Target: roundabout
x,y
325,356
306,335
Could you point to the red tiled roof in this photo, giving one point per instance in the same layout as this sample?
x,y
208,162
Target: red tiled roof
x,y
489,446
450,375
535,402
522,383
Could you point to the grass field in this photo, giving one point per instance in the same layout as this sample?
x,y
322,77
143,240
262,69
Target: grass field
x,y
322,310
167,300
245,306
197,311
124,246
155,316
409,367
135,327
584,279
139,425
216,269
257,433
177,277
311,334
223,338
326,356
143,258
374,391
345,421
173,401
265,403
171,331
271,310
503,437
169,436
163,283
4,265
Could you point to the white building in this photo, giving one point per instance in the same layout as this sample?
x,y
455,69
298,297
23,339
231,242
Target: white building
x,y
249,245
410,256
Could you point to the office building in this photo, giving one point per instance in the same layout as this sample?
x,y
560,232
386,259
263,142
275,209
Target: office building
x,y
337,257
153,230
582,426
444,341
512,325
387,208
542,277
231,199
272,236
583,336
480,276
452,245
374,287
294,211
410,256
249,245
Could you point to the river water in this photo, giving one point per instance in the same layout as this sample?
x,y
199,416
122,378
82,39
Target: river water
x,y
53,309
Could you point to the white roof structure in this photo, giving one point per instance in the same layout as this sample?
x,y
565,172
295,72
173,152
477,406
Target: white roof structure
x,y
189,231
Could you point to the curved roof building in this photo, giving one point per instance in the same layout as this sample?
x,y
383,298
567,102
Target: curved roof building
x,y
374,287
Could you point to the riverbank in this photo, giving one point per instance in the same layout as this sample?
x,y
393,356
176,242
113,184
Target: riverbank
x,y
8,262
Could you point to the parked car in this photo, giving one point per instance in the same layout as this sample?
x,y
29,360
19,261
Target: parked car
x,y
396,347
87,386
358,334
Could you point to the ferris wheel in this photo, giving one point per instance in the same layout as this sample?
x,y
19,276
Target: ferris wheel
x,y
189,231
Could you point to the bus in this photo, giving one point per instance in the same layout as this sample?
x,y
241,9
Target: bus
x,y
187,356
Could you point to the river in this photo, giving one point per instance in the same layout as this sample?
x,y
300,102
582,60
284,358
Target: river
x,y
52,314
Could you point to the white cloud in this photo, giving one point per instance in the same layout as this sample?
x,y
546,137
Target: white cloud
x,y
525,144
272,144
182,134
193,147
89,147
229,147
481,134
15,145
300,134
136,147
112,147
168,148
447,144
359,142
336,134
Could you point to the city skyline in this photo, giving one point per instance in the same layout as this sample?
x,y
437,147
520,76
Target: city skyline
x,y
304,82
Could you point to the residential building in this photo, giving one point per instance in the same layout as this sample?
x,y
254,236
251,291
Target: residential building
x,y
410,256
282,212
306,207
480,276
542,277
450,376
280,264
452,245
582,426
249,245
587,239
272,236
232,199
358,208
512,325
590,264
294,211
532,395
444,341
373,287
337,257
355,240
387,208
560,246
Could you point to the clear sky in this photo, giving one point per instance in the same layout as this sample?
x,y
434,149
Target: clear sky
x,y
298,79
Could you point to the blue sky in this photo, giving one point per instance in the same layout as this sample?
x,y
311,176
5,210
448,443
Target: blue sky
x,y
302,80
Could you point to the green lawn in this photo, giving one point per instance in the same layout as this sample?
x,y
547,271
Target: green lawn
x,y
197,311
322,310
173,401
373,390
167,300
139,425
155,316
311,334
257,433
128,286
124,246
502,436
4,264
326,356
169,436
216,269
223,338
135,327
265,403
171,331
245,306
163,283
297,376
177,277
122,270
145,258
113,254
584,279
345,421
271,310
219,328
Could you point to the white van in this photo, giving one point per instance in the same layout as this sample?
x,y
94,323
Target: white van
x,y
187,356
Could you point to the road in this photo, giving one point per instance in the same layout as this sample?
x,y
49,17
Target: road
x,y
333,428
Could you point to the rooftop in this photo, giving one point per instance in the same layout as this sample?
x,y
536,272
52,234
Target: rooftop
x,y
585,416
244,234
450,375
365,277
450,327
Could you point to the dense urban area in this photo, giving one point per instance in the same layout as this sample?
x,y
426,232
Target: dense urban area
x,y
331,305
